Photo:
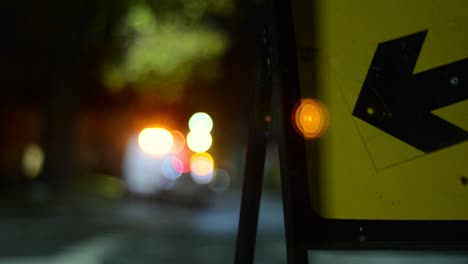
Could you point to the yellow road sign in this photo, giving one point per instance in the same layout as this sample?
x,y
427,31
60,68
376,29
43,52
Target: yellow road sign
x,y
394,76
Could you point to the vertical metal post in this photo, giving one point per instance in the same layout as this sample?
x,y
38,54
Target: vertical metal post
x,y
286,93
279,89
255,160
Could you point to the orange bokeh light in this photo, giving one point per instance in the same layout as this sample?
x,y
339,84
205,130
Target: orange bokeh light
x,y
202,164
310,118
179,142
155,140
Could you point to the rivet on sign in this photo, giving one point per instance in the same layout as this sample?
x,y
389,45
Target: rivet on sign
x,y
464,180
454,81
370,110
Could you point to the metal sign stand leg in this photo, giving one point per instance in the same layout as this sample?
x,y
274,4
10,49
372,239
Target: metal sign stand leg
x,y
278,91
286,94
255,160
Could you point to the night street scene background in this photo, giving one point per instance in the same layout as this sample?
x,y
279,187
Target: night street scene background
x,y
89,88
80,81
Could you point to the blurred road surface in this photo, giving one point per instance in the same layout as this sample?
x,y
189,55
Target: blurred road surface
x,y
134,231
89,230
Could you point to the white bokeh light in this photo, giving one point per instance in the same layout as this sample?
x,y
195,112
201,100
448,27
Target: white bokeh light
x,y
142,171
201,122
155,140
199,141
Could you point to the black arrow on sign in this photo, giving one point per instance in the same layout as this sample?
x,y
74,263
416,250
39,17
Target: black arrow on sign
x,y
399,102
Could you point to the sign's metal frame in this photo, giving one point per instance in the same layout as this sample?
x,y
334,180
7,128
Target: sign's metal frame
x,y
305,229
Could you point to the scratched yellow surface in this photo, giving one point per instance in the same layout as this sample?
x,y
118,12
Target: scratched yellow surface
x,y
364,172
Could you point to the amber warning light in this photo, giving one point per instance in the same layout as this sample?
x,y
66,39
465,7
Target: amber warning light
x,y
310,118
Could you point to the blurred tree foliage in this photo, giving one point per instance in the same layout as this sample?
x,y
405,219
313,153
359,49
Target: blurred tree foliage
x,y
56,52
164,42
150,45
